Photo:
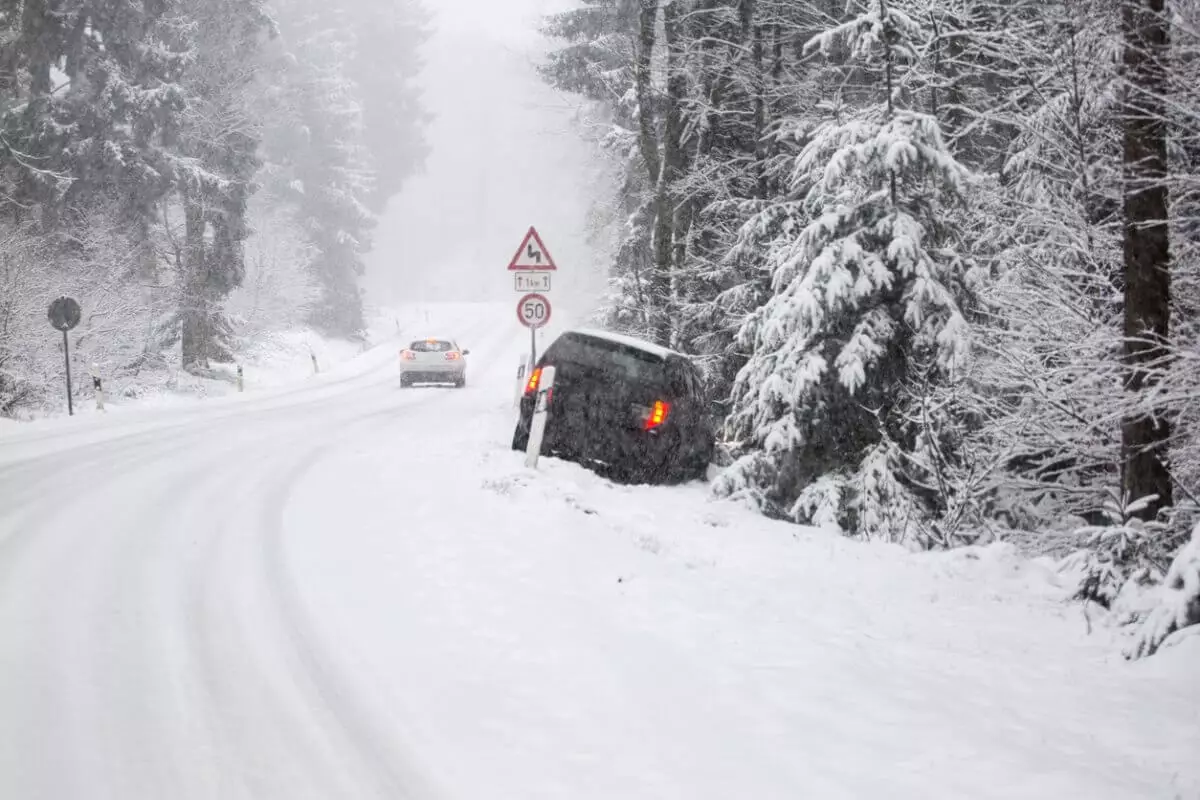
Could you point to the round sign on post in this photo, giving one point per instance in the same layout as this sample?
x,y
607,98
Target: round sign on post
x,y
64,313
533,310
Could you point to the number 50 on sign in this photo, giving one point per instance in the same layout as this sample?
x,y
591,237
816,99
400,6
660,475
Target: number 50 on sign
x,y
533,310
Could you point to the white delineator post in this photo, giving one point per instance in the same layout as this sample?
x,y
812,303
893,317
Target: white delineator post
x,y
541,411
98,386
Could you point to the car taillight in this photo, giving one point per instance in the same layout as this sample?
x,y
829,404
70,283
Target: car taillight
x,y
656,415
534,378
408,355
452,356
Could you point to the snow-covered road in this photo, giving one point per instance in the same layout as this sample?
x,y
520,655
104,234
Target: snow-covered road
x,y
345,590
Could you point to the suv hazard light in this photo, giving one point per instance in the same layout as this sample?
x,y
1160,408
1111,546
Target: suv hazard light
x,y
656,415
535,378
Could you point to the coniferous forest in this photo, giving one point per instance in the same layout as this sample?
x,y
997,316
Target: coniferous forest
x,y
194,172
940,259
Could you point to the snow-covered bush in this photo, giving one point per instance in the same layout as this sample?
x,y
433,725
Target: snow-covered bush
x,y
873,285
1178,603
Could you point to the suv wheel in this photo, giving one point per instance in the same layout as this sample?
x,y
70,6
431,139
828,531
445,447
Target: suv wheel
x,y
520,439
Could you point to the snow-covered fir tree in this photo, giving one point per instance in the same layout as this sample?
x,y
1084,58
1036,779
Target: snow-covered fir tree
x,y
868,294
219,142
321,164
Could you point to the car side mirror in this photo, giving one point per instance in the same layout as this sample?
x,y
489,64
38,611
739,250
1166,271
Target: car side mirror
x,y
466,352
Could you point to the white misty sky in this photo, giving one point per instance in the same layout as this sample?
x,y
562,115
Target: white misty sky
x,y
505,155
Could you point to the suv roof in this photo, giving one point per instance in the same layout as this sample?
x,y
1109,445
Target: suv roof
x,y
655,350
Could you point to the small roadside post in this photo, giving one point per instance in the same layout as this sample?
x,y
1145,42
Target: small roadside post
x,y
541,410
532,267
97,386
241,380
64,314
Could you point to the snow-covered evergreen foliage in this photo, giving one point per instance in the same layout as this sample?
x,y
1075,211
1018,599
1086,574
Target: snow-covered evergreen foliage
x,y
872,285
140,143
902,255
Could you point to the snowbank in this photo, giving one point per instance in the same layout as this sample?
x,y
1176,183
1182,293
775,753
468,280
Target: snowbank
x,y
576,638
269,361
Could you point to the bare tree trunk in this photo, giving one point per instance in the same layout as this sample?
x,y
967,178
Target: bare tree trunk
x,y
643,60
670,171
194,299
1146,430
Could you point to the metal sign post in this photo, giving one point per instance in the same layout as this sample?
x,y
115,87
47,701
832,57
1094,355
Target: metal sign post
x,y
64,314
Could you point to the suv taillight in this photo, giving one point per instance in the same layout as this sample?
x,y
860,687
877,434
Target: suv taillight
x,y
535,377
452,356
655,415
408,355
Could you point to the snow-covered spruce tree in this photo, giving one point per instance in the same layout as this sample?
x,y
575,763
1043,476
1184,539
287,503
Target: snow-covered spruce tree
x,y
732,57
89,140
1177,612
384,66
872,286
1046,370
219,140
1184,378
599,61
752,106
1173,610
319,164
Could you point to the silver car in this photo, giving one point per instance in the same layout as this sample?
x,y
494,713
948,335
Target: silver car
x,y
433,360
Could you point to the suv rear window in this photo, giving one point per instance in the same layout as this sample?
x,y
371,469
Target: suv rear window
x,y
425,346
628,363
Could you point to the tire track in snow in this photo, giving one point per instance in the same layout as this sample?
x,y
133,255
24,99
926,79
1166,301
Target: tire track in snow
x,y
125,656
332,708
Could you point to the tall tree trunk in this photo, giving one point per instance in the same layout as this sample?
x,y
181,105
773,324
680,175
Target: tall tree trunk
x,y
1146,430
670,171
194,299
643,61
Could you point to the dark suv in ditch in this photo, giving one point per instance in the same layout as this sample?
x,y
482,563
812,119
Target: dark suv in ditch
x,y
623,407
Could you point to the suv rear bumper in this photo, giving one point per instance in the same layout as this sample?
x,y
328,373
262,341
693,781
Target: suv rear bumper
x,y
628,451
438,374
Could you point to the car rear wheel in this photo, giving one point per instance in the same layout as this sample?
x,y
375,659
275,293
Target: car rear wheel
x,y
405,381
520,441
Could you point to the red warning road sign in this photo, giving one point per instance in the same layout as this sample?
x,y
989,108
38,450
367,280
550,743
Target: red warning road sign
x,y
532,255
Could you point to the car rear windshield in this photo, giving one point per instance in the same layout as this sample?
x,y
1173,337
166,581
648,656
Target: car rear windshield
x,y
426,346
625,362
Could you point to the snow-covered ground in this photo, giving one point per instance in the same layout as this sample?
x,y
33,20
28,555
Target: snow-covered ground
x,y
341,589
269,360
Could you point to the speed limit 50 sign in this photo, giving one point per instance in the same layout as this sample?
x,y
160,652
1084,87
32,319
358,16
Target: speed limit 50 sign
x,y
533,310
